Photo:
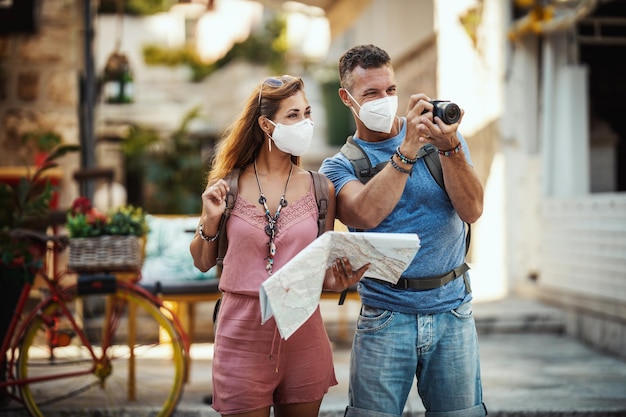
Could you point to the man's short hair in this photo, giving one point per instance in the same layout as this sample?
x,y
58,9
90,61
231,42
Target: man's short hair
x,y
364,56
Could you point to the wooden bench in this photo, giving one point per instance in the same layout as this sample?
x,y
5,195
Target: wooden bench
x,y
168,272
182,299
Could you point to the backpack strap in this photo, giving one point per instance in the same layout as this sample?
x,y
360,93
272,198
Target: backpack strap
x,y
359,160
232,178
320,185
433,163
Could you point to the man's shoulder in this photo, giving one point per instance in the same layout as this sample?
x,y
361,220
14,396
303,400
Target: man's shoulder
x,y
333,162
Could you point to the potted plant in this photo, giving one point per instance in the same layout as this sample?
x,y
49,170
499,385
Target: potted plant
x,y
26,205
41,143
23,205
105,242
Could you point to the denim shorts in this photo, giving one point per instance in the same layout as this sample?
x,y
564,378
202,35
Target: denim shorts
x,y
440,350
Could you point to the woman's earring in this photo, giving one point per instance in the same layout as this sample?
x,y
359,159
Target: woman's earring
x,y
269,143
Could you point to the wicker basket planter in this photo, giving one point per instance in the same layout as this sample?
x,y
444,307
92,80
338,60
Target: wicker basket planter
x,y
105,253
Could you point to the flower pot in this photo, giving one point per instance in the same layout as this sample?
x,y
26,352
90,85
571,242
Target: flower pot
x,y
105,253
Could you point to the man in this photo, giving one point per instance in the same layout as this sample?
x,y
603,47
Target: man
x,y
423,327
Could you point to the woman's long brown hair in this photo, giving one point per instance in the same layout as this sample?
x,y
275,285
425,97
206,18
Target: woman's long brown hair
x,y
242,141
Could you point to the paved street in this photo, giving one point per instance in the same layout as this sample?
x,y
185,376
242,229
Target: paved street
x,y
529,369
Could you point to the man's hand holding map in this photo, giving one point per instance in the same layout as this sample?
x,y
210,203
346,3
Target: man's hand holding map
x,y
292,293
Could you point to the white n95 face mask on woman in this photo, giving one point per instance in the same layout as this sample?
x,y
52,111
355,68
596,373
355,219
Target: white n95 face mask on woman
x,y
378,115
294,139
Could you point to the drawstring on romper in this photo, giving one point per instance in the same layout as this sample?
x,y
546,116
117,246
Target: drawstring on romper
x,y
272,349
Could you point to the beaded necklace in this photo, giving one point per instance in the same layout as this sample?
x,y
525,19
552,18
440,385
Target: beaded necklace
x,y
271,229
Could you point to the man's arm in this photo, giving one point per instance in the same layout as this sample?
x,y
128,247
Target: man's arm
x,y
463,186
462,183
365,206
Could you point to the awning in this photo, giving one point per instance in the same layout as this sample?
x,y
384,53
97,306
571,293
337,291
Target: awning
x,y
553,17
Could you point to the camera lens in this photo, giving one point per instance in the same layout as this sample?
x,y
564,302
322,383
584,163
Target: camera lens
x,y
451,113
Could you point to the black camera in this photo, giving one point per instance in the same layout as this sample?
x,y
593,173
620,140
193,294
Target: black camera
x,y
447,111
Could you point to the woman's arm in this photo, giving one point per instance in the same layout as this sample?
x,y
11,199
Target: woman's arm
x,y
203,247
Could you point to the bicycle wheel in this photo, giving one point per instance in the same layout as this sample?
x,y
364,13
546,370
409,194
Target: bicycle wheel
x,y
103,366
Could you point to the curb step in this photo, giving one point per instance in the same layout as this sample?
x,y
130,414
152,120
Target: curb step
x,y
525,323
517,315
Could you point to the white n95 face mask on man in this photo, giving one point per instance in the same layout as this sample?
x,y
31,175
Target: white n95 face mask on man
x,y
378,115
294,139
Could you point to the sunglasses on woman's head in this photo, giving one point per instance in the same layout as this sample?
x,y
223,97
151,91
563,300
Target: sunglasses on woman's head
x,y
274,82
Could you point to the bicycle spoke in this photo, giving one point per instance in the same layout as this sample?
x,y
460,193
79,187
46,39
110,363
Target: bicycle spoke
x,y
99,365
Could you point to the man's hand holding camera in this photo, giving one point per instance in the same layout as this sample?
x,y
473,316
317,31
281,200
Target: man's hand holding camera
x,y
426,124
433,121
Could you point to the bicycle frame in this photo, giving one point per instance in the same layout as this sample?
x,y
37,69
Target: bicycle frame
x,y
10,352
9,337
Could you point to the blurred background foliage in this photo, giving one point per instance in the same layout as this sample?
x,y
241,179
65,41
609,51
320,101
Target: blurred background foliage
x,y
266,47
135,7
164,173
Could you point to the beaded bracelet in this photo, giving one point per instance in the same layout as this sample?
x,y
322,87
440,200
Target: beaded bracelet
x,y
404,159
451,151
398,167
205,237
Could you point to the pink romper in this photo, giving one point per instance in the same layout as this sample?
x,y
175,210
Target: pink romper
x,y
253,367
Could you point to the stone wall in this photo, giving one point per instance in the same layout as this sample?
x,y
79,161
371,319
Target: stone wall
x,y
39,84
416,71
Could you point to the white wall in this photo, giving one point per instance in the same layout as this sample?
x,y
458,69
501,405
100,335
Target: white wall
x,y
521,148
466,74
395,26
471,75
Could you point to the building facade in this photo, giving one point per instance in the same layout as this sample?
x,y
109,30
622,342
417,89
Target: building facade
x,y
541,83
542,88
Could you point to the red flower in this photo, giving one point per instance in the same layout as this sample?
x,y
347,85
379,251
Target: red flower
x,y
81,205
94,216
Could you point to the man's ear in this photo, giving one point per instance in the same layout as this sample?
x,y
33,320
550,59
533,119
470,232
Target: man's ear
x,y
343,94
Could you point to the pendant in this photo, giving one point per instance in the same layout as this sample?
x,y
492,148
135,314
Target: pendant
x,y
271,230
272,249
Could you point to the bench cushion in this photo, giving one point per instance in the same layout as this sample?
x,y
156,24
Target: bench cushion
x,y
167,259
182,288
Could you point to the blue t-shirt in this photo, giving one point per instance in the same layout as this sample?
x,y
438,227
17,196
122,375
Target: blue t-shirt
x,y
425,209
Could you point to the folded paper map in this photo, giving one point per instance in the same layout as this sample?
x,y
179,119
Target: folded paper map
x,y
292,293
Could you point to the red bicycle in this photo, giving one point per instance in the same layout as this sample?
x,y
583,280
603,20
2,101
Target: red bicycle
x,y
91,339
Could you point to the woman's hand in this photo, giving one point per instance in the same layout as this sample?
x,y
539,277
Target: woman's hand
x,y
213,199
213,206
340,275
203,247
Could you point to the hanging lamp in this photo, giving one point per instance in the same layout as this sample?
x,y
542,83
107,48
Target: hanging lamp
x,y
118,79
118,75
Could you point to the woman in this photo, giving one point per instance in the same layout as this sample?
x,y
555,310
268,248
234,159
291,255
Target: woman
x,y
274,217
